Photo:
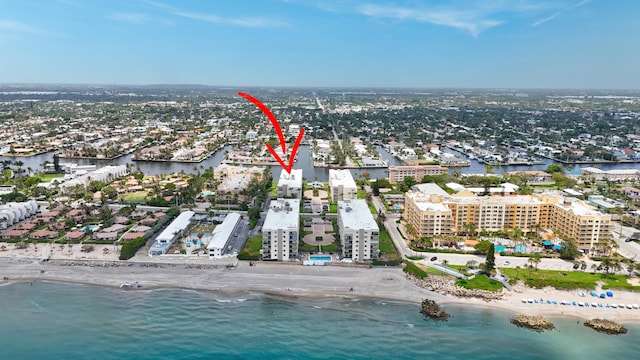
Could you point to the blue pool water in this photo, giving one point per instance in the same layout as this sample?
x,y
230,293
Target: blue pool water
x,y
89,227
207,193
500,248
520,249
315,257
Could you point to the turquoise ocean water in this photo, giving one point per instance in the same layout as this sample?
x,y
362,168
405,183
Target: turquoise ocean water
x,y
63,321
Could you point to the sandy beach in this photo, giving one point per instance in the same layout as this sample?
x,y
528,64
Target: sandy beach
x,y
231,277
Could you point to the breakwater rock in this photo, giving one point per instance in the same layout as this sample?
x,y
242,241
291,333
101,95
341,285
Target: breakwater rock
x,y
448,287
432,310
532,323
606,326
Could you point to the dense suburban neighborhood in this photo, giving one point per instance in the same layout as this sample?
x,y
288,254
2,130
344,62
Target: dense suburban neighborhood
x,y
385,178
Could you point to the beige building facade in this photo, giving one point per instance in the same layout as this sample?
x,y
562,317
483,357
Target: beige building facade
x,y
431,211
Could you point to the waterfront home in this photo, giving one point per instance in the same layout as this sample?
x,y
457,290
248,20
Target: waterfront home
x,y
14,234
74,235
132,235
105,236
44,234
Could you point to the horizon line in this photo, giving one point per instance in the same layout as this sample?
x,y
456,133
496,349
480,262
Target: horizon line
x,y
316,86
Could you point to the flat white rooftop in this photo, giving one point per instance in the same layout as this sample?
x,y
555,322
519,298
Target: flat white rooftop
x,y
293,180
180,223
355,214
283,214
222,233
431,189
341,177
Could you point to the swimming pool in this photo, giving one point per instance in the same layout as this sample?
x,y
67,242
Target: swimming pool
x,y
90,227
320,258
500,248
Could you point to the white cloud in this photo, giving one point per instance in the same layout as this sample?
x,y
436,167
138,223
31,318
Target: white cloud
x,y
133,18
238,21
548,18
474,22
15,26
217,19
559,12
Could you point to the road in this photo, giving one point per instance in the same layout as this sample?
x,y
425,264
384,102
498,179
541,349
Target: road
x,y
629,250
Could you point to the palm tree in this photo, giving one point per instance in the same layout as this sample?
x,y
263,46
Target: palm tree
x,y
607,263
534,260
631,265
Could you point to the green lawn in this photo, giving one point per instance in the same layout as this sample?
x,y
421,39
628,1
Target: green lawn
x,y
361,194
385,245
372,209
412,268
331,247
252,248
139,197
303,246
571,281
481,282
49,177
333,208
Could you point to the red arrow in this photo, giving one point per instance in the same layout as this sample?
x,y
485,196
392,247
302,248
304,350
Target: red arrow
x,y
276,125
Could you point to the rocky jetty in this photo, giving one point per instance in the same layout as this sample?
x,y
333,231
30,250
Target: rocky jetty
x,y
448,287
532,323
432,310
606,326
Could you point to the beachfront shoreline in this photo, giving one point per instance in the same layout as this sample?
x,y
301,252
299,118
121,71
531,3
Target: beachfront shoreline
x,y
297,281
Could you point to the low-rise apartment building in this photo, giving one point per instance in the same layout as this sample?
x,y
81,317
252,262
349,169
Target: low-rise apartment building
x,y
398,173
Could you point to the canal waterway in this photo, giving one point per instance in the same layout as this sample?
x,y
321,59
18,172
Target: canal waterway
x,y
304,162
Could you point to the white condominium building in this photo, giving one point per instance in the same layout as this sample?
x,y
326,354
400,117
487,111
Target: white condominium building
x,y
290,185
341,185
358,230
281,230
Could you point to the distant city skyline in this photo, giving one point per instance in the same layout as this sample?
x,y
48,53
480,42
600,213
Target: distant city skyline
x,y
562,44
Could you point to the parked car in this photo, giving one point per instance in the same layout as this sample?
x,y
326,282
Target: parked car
x,y
576,266
434,258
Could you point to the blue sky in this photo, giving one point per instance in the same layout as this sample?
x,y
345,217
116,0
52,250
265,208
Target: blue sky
x,y
350,43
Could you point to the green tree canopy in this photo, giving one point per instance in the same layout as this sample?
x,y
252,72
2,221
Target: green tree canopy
x,y
490,263
554,168
569,251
